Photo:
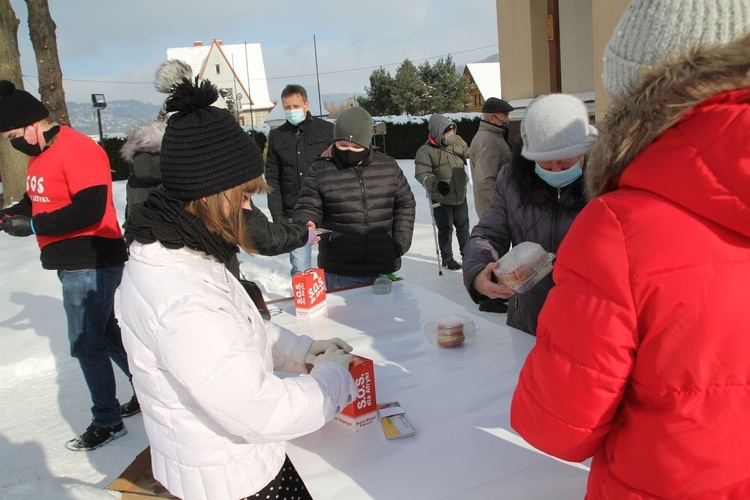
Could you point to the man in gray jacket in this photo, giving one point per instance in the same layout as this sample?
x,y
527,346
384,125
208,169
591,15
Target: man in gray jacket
x,y
490,150
439,167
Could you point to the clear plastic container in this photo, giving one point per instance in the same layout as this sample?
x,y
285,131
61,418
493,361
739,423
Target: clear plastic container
x,y
524,266
382,286
451,330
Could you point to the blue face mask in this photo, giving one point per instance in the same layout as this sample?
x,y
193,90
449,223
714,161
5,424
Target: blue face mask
x,y
295,116
559,179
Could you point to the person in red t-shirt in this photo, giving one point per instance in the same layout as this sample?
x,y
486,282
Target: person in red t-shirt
x,y
68,206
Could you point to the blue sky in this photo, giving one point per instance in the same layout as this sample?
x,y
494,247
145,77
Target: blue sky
x,y
114,47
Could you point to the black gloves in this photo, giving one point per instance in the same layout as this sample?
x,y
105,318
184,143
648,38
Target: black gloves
x,y
16,225
443,188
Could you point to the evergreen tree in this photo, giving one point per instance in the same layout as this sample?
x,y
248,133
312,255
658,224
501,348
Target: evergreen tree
x,y
445,89
379,100
408,89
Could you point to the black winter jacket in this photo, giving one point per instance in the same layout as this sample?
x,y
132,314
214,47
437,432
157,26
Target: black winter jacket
x,y
523,208
291,152
142,150
369,208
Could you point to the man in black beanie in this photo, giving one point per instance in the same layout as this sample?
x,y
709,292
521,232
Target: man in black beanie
x,y
68,206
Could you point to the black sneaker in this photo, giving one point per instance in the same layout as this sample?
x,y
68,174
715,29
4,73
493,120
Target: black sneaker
x,y
94,437
451,264
130,408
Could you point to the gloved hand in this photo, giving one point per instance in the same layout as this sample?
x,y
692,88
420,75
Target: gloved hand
x,y
443,187
336,355
17,225
321,346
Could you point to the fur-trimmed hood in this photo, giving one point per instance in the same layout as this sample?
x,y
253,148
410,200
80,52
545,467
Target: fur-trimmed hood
x,y
664,96
145,139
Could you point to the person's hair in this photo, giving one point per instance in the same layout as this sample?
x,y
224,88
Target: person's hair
x,y
294,89
228,224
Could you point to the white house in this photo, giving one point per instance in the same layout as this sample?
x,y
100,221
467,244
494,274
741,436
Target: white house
x,y
238,69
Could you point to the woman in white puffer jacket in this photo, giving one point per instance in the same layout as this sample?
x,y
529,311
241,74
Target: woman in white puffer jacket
x,y
202,357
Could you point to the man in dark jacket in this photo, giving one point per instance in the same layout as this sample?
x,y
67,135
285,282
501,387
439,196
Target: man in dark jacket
x,y
292,148
363,198
489,151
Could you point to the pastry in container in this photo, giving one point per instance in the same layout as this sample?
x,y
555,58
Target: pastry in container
x,y
524,266
452,330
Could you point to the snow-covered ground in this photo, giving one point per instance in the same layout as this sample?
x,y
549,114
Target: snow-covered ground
x,y
42,392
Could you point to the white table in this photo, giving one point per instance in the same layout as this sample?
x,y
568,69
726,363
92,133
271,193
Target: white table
x,y
458,400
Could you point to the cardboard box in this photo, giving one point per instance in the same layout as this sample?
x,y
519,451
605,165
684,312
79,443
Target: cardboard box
x,y
362,412
309,289
137,482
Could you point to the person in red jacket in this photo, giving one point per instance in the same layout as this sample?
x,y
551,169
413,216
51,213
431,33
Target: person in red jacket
x,y
642,357
68,206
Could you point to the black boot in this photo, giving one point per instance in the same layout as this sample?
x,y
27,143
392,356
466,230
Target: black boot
x,y
130,408
451,264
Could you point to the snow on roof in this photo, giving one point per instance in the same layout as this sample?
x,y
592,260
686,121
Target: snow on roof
x,y
520,105
487,78
245,58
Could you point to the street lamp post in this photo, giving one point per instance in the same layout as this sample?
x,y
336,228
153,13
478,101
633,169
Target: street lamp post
x,y
99,104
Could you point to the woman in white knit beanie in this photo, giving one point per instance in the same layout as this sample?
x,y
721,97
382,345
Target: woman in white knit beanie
x,y
641,359
536,198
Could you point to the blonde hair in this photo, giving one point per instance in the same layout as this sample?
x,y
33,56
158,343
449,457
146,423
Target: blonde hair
x,y
228,222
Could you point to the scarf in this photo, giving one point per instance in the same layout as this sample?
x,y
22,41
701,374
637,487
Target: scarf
x,y
164,219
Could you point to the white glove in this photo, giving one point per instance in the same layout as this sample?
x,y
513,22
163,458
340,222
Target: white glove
x,y
336,355
321,346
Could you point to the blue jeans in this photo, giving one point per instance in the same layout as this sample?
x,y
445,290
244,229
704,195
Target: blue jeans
x,y
94,335
334,281
300,258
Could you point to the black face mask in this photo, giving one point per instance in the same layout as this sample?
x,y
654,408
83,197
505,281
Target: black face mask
x,y
349,158
20,144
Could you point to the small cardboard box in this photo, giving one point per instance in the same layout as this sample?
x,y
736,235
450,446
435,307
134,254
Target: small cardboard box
x,y
137,482
309,289
362,412
393,420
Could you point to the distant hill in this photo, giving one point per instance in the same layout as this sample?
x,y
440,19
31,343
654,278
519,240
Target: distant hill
x,y
117,118
492,58
121,116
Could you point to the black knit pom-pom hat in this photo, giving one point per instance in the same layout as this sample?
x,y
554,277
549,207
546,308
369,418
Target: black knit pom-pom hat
x,y
204,151
18,108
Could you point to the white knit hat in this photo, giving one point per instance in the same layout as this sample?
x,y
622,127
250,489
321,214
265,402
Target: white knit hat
x,y
652,31
555,127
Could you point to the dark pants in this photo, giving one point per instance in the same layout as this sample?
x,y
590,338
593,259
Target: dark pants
x,y
447,216
94,335
286,485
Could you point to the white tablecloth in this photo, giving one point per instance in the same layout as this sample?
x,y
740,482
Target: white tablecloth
x,y
457,399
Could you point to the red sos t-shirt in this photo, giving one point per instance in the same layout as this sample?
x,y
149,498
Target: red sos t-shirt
x,y
72,163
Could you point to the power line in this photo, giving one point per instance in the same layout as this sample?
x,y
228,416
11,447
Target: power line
x,y
289,76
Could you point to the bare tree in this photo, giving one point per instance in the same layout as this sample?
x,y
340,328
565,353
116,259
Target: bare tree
x,y
12,163
43,39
